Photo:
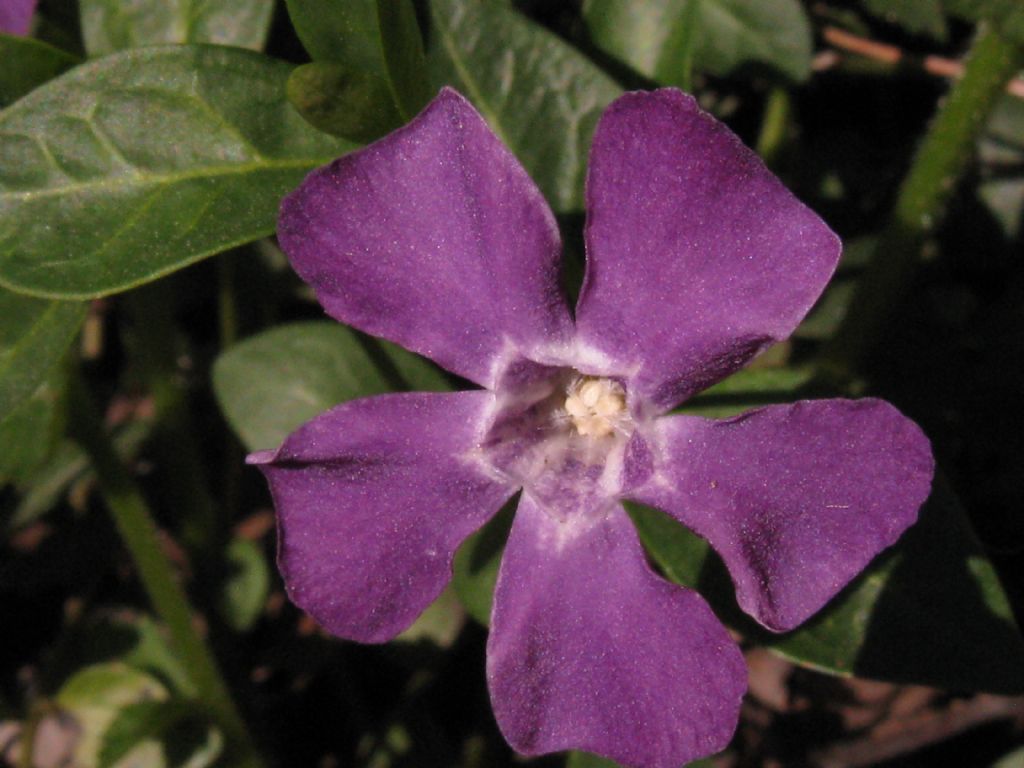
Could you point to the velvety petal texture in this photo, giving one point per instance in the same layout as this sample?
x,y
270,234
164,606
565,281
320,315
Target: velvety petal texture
x,y
697,256
797,499
16,16
373,498
433,237
590,650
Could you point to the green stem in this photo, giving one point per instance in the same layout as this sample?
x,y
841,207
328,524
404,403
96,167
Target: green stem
x,y
175,445
227,304
922,197
227,314
773,126
138,531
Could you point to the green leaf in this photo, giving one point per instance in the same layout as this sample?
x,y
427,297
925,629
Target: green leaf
x,y
48,482
402,46
114,25
95,695
157,734
1014,759
929,611
123,638
28,63
34,335
651,37
146,161
244,591
919,17
541,96
475,569
439,624
587,760
31,433
272,383
377,39
344,32
749,388
342,101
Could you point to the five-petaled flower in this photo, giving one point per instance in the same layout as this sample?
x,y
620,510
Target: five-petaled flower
x,y
697,259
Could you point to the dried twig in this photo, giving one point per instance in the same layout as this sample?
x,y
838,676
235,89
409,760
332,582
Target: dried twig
x,y
890,54
903,738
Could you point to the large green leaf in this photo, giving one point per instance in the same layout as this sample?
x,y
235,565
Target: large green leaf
x,y
917,16
726,34
28,64
402,46
133,166
541,96
34,335
113,25
344,32
369,38
270,384
929,611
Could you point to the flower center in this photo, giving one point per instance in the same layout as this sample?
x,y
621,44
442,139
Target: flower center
x,y
596,407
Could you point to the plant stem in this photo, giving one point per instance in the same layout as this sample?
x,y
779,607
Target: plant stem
x,y
139,533
174,443
227,302
227,316
922,197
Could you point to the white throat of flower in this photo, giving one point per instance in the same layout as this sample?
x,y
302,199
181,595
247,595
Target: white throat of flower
x,y
596,407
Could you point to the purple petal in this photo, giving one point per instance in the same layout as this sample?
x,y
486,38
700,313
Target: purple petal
x,y
797,499
434,237
16,16
697,256
373,498
590,650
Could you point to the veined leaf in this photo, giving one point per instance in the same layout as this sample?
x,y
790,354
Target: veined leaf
x,y
649,37
541,96
133,166
114,25
34,335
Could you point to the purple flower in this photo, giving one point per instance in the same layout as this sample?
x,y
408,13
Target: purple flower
x,y
16,16
697,259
